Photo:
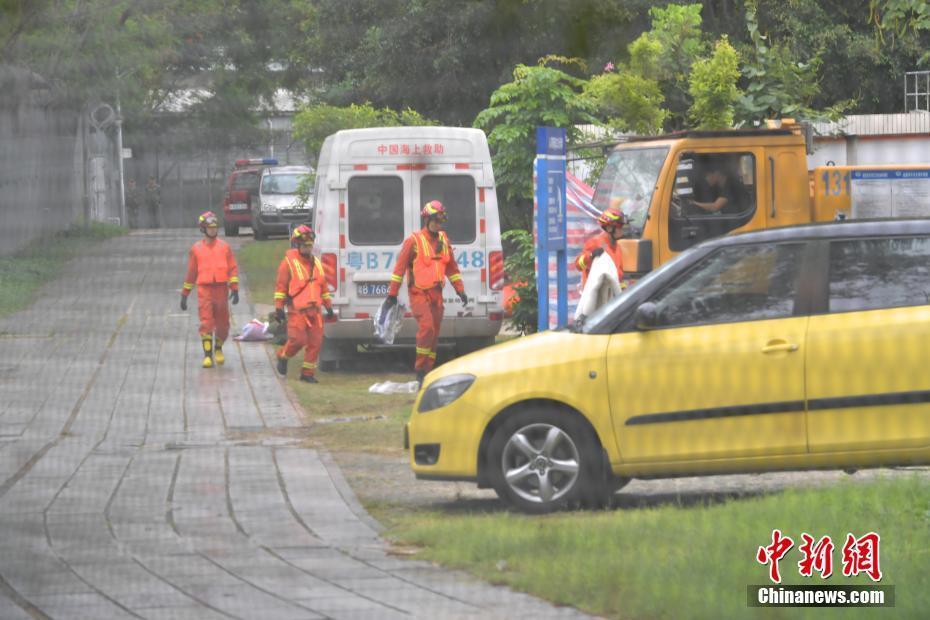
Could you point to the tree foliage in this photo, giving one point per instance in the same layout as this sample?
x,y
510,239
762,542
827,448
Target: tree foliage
x,y
713,87
539,95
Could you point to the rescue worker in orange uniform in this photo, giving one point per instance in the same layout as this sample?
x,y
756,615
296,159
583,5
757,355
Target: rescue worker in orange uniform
x,y
301,284
428,257
611,221
212,267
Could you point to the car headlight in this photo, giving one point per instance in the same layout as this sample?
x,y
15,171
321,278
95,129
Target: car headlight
x,y
444,391
267,208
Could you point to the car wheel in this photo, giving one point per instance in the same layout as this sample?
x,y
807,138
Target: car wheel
x,y
258,233
541,460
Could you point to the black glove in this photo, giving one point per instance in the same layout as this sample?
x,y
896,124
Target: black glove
x,y
234,296
329,313
596,252
279,314
464,298
183,302
391,301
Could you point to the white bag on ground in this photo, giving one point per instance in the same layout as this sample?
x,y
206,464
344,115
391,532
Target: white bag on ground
x,y
390,387
388,321
601,286
254,330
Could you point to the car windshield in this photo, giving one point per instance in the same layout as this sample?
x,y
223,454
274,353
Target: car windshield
x,y
628,181
593,323
281,183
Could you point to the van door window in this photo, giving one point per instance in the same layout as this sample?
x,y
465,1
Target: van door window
x,y
457,194
376,210
713,194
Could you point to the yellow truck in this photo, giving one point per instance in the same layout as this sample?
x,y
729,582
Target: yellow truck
x,y
680,189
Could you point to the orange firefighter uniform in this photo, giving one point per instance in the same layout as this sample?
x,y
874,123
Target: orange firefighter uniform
x,y
428,258
609,245
211,265
301,284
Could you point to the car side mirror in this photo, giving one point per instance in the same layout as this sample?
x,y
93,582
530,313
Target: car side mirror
x,y
646,316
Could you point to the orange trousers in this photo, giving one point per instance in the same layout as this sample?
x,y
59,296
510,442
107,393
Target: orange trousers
x,y
427,308
304,329
213,309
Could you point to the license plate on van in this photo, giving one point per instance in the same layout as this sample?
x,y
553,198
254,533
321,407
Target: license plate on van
x,y
238,206
372,289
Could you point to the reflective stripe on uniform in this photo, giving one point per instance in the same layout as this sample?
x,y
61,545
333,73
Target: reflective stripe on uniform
x,y
187,285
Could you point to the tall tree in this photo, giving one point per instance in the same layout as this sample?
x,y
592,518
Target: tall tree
x,y
540,95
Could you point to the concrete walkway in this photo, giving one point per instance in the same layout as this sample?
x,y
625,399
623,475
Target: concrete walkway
x,y
127,491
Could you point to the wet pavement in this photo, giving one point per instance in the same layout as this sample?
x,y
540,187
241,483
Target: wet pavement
x,y
135,484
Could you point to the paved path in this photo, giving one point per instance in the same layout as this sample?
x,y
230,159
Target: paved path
x,y
128,491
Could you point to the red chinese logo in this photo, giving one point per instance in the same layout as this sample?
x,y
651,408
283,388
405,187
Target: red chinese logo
x,y
773,553
817,557
860,555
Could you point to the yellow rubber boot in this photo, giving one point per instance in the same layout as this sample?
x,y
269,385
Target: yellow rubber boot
x,y
218,356
207,351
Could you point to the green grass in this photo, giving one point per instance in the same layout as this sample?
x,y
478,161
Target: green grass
x,y
259,260
350,418
24,273
695,562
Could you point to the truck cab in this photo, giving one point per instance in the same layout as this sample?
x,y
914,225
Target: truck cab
x,y
679,189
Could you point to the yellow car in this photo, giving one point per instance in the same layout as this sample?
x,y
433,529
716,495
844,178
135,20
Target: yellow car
x,y
793,348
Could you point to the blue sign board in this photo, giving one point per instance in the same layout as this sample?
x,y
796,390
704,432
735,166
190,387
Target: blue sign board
x,y
551,221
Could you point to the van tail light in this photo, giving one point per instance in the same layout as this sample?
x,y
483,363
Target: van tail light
x,y
330,264
496,270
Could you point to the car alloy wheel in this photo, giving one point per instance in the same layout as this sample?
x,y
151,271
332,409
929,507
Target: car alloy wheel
x,y
540,463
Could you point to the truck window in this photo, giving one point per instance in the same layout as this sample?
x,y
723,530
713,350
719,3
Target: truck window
x,y
628,182
457,194
376,210
713,194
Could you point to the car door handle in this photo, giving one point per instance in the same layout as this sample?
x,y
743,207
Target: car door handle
x,y
777,346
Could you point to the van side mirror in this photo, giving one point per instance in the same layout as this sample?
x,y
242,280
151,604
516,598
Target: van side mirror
x,y
646,316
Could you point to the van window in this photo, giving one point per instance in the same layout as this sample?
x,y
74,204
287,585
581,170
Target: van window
x,y
376,210
457,194
867,274
713,194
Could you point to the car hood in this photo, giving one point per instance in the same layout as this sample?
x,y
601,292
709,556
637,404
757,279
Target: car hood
x,y
527,353
285,201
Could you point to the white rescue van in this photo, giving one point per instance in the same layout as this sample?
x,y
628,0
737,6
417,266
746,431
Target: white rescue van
x,y
370,187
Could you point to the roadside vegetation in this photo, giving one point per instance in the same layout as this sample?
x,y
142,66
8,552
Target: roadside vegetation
x,y
24,273
666,556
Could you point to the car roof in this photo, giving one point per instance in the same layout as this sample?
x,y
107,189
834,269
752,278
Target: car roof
x,y
884,227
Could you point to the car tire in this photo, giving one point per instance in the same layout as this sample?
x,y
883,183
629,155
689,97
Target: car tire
x,y
231,230
523,451
258,233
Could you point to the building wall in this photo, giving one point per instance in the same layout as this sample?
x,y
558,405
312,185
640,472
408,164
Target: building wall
x,y
40,163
